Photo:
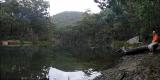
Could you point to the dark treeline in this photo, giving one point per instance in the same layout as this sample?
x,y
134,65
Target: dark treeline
x,y
97,36
25,20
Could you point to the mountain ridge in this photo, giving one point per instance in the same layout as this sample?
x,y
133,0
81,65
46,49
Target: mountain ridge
x,y
66,18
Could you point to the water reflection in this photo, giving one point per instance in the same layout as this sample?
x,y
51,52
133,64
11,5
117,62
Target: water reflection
x,y
56,74
33,63
24,62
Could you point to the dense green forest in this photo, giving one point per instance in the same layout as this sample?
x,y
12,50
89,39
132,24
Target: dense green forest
x,y
94,37
76,40
98,36
25,20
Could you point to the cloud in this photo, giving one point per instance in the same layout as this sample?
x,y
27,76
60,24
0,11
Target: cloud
x,y
57,6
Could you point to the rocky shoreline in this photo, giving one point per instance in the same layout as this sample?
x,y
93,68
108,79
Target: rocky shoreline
x,y
134,67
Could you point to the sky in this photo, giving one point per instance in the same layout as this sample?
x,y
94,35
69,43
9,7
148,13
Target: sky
x,y
58,6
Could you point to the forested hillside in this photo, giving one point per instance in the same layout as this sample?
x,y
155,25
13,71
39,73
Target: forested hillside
x,y
76,41
98,36
66,18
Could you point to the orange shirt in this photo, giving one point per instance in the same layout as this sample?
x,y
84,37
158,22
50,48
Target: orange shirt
x,y
155,38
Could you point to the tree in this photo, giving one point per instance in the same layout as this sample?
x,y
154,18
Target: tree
x,y
145,12
25,18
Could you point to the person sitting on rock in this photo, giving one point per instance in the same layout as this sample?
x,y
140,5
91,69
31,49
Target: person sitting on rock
x,y
155,39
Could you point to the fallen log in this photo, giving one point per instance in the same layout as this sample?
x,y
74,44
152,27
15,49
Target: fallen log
x,y
137,50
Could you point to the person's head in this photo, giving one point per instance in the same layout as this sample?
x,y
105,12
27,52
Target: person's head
x,y
154,32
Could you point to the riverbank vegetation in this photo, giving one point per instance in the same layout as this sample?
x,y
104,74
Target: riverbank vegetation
x,y
92,42
98,36
25,20
95,37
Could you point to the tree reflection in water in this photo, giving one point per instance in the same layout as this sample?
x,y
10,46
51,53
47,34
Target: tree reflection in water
x,y
25,62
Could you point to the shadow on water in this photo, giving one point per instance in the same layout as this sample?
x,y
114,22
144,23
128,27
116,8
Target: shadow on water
x,y
25,62
33,62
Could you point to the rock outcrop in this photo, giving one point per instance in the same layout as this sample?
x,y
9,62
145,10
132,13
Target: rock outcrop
x,y
134,67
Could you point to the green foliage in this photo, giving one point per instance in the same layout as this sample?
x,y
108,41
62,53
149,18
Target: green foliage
x,y
64,19
24,19
89,40
143,14
97,36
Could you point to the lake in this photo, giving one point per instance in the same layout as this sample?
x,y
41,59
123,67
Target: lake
x,y
42,63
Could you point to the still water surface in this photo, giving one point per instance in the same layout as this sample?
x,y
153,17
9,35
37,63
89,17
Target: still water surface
x,y
41,63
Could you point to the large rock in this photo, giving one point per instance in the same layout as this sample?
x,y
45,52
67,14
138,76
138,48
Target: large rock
x,y
135,67
134,40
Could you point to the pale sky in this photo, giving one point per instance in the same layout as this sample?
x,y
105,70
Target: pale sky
x,y
57,6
